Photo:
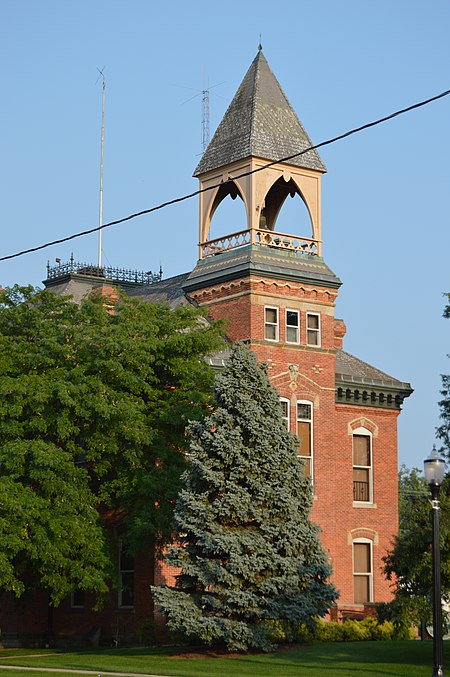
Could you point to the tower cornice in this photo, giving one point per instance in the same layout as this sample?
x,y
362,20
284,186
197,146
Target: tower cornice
x,y
264,261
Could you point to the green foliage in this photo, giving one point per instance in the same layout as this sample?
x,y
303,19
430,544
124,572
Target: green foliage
x,y
48,523
398,613
147,633
93,409
408,564
444,429
248,553
351,631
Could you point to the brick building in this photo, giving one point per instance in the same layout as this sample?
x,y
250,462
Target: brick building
x,y
275,291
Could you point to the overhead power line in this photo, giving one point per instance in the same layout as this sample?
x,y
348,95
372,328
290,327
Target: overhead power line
x,y
240,176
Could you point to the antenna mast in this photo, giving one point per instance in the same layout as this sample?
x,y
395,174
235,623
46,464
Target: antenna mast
x,y
101,171
204,93
205,118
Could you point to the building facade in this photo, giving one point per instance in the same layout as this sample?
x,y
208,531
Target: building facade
x,y
275,291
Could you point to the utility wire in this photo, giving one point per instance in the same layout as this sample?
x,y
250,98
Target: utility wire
x,y
239,176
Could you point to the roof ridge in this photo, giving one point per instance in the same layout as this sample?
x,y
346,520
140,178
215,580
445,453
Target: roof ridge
x,y
256,79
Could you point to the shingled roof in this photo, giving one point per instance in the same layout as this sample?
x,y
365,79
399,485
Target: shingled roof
x,y
259,122
351,368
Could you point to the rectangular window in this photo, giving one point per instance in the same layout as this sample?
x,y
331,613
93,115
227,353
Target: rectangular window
x,y
292,326
313,329
362,572
362,469
284,404
305,435
77,599
271,332
126,580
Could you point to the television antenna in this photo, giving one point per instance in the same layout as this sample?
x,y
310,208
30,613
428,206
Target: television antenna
x,y
204,93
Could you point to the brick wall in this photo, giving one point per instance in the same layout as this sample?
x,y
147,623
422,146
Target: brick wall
x,y
302,372
28,616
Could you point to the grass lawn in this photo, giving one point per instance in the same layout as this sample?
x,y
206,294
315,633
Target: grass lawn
x,y
355,659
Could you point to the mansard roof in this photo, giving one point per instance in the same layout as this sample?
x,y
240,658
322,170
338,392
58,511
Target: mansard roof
x,y
166,291
358,383
259,122
351,368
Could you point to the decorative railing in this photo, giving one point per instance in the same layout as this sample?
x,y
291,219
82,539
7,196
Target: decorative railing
x,y
266,238
102,272
361,491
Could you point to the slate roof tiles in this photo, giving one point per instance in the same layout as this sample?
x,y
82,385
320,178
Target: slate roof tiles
x,y
259,122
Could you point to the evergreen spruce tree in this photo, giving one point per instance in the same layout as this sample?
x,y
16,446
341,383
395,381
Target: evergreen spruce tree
x,y
251,560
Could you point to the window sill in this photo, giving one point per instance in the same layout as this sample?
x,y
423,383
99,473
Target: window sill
x,y
364,504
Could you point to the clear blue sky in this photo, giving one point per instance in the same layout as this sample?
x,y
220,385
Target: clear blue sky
x,y
341,64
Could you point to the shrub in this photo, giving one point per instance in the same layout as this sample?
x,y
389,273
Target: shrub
x,y
355,631
351,631
398,616
146,633
385,630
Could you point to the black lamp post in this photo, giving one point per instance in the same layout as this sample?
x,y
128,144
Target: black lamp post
x,y
434,470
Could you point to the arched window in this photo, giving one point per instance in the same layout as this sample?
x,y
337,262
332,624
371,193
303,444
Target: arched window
x,y
362,571
362,466
305,434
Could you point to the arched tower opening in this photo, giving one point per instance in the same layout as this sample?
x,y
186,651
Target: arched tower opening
x,y
284,209
228,212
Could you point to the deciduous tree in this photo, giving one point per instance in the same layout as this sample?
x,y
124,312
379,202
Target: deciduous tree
x,y
93,409
408,565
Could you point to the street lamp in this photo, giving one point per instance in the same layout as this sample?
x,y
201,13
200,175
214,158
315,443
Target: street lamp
x,y
434,470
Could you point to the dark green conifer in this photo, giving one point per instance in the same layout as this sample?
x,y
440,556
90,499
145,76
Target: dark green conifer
x,y
250,558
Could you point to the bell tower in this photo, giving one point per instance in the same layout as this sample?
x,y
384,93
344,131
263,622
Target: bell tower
x,y
259,154
271,288
274,290
260,127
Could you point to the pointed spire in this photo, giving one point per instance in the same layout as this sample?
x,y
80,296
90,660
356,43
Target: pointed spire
x,y
259,122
